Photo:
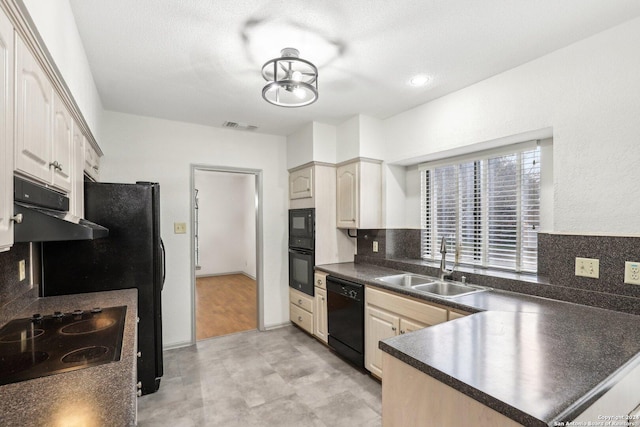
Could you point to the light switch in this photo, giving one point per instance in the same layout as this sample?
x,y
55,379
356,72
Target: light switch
x,y
588,267
22,267
179,227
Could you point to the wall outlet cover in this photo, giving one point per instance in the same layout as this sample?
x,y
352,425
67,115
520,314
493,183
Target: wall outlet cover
x,y
375,246
632,273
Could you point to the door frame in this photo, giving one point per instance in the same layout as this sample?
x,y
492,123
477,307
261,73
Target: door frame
x,y
257,173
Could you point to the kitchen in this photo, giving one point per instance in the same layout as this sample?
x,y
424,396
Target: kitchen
x,y
581,93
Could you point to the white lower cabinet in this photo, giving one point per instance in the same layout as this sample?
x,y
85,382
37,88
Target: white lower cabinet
x,y
388,314
320,320
320,328
301,309
379,325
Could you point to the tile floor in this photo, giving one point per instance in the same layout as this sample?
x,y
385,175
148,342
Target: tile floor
x,y
277,378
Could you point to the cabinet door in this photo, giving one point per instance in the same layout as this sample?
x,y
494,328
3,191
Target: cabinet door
x,y
6,132
301,183
379,325
320,315
33,116
347,195
91,161
407,325
77,175
62,148
456,315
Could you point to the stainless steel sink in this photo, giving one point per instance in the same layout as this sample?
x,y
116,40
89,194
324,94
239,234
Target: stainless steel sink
x,y
431,285
447,289
406,279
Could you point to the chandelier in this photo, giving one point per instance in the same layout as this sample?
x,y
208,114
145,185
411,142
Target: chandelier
x,y
292,81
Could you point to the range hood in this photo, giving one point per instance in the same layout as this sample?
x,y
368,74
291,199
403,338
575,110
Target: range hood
x,y
44,217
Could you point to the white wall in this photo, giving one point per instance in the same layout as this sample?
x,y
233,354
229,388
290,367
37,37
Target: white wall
x,y
300,146
348,140
314,142
587,93
57,27
143,148
360,136
324,143
226,226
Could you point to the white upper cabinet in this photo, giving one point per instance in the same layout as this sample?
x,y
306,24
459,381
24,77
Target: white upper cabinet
x,y
62,146
347,189
301,183
6,132
43,145
77,185
91,162
359,194
34,106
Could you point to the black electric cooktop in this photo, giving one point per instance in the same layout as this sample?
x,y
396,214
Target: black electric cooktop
x,y
60,342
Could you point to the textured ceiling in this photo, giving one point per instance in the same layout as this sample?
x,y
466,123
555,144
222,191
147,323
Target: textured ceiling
x,y
199,61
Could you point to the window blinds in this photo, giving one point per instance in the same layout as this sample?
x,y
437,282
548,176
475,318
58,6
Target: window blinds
x,y
487,208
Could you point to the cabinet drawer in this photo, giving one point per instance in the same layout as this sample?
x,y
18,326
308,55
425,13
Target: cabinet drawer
x,y
303,301
320,280
300,317
422,312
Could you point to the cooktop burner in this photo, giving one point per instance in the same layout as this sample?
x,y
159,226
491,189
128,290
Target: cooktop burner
x,y
43,345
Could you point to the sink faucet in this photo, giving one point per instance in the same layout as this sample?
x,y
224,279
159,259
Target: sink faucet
x,y
444,273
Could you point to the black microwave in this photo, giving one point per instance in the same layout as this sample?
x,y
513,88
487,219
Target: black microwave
x,y
302,228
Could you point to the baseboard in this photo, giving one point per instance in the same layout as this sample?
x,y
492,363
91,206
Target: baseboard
x,y
177,345
277,326
202,276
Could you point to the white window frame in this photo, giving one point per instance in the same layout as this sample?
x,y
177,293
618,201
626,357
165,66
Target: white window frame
x,y
431,238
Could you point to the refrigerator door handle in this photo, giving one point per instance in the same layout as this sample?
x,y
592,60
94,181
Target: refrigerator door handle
x,y
164,264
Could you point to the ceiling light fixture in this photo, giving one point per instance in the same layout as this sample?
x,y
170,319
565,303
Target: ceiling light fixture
x,y
292,81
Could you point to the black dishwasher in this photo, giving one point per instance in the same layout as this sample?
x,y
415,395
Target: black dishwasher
x,y
345,314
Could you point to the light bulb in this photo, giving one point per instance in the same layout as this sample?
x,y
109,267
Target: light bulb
x,y
299,93
296,76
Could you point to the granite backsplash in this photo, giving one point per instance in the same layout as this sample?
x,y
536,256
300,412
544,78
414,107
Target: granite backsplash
x,y
15,293
400,249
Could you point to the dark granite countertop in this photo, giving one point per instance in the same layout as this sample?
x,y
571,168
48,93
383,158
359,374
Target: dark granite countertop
x,y
535,360
101,395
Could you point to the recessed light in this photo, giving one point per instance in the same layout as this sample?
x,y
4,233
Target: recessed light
x,y
419,80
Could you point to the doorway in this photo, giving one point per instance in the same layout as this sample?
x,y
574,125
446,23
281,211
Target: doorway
x,y
226,257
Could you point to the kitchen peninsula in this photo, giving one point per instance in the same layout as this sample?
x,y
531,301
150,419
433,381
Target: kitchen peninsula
x,y
529,360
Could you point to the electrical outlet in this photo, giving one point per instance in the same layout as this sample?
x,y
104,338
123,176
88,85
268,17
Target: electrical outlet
x,y
588,267
632,273
179,227
375,246
22,270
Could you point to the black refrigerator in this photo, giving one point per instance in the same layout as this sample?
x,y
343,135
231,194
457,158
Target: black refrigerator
x,y
132,256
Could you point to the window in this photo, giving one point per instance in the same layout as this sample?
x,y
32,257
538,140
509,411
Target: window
x,y
486,206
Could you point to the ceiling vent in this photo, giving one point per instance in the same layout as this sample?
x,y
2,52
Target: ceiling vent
x,y
239,126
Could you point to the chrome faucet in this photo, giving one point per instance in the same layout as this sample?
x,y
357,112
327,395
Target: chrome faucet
x,y
444,273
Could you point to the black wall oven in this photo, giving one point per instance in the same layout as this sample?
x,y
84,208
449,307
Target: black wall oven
x,y
301,249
